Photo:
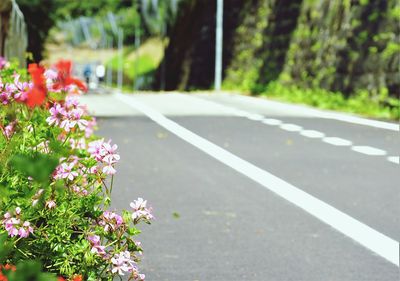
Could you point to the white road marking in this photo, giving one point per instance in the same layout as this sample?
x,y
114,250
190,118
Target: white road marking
x,y
255,117
271,121
291,127
313,112
377,242
394,159
312,134
307,133
337,141
369,150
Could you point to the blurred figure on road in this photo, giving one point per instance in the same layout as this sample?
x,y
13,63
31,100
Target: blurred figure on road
x,y
87,72
100,72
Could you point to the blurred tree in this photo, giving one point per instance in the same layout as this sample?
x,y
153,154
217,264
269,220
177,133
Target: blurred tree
x,y
39,17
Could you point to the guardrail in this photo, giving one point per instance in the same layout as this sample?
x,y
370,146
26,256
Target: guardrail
x,y
13,32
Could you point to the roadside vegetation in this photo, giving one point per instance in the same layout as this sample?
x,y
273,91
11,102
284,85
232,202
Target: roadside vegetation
x,y
381,106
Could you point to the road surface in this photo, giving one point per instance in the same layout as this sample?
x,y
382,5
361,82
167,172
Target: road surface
x,y
249,189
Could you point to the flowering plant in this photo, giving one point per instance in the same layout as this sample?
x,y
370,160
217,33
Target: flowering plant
x,y
56,179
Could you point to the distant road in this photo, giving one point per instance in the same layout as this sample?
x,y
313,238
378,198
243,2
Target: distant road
x,y
249,189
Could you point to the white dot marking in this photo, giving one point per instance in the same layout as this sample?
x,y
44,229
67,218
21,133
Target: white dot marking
x,y
270,121
337,141
255,117
369,150
291,127
394,159
312,134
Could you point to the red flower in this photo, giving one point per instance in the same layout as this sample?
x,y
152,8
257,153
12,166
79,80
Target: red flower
x,y
78,278
60,279
64,77
6,267
37,94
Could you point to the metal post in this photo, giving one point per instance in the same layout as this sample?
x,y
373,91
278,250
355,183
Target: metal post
x,y
136,68
164,60
109,69
120,63
218,45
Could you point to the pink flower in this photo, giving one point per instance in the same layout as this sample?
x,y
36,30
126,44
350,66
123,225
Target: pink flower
x,y
122,263
5,97
110,221
104,153
13,225
96,247
77,144
109,169
67,172
50,74
71,102
9,130
50,204
57,114
21,89
90,127
44,147
24,231
140,211
3,62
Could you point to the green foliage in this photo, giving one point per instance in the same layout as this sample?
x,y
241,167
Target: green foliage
x,y
351,48
38,166
381,106
139,62
54,194
29,271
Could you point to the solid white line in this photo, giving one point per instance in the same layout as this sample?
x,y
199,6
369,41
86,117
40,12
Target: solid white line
x,y
394,159
312,134
271,121
337,141
291,127
377,242
369,150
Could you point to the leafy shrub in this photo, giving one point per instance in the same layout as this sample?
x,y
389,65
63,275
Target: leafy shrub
x,y
380,106
56,180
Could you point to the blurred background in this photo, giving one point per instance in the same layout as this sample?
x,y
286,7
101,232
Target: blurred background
x,y
315,52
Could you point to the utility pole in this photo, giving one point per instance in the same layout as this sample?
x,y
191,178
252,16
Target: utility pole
x,y
218,45
137,45
109,69
120,61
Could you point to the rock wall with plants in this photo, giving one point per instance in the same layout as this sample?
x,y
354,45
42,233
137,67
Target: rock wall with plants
x,y
337,45
346,46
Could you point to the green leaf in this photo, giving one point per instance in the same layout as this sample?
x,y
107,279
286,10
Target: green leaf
x,y
38,166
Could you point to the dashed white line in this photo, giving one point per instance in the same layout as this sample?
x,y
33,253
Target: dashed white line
x,y
312,134
255,117
271,121
369,150
337,141
291,127
394,159
305,110
377,242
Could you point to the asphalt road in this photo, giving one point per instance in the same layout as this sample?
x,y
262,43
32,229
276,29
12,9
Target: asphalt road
x,y
247,189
